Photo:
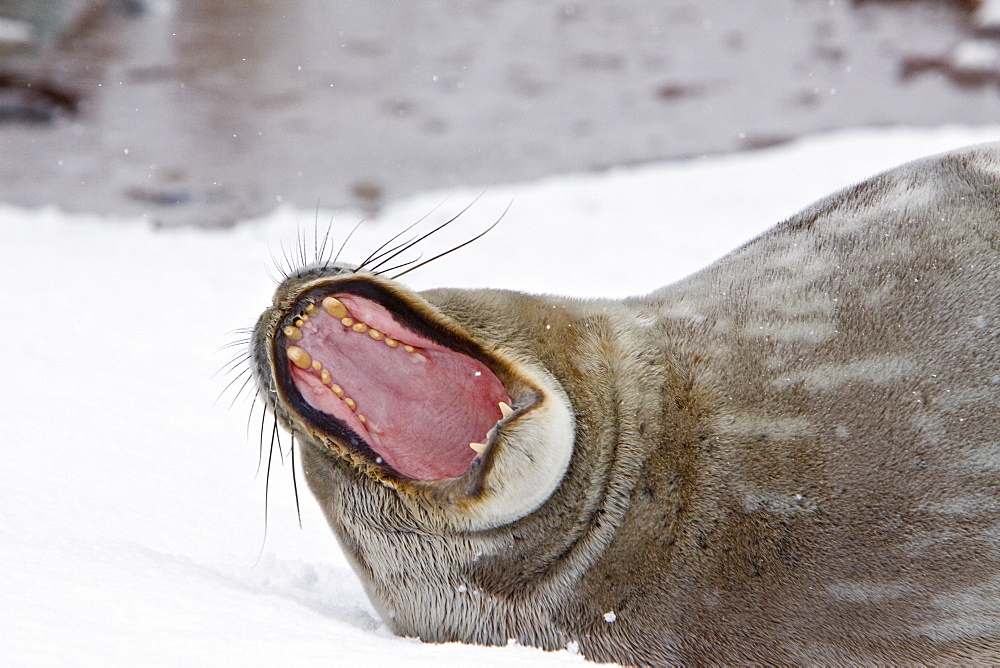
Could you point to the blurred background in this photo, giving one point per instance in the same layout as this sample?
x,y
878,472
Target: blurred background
x,y
207,112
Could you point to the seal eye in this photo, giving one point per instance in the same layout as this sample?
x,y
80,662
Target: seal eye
x,y
422,407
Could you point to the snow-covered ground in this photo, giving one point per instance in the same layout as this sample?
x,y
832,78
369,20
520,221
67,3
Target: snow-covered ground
x,y
131,518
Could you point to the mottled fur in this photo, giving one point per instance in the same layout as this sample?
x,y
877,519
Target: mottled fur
x,y
792,456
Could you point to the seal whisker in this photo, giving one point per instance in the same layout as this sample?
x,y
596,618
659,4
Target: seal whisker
x,y
372,258
321,253
374,254
253,406
289,256
234,362
398,266
247,371
320,245
277,436
303,252
233,344
297,253
295,483
274,279
248,331
260,445
294,253
267,484
283,273
233,367
344,244
437,229
289,267
315,248
243,387
461,245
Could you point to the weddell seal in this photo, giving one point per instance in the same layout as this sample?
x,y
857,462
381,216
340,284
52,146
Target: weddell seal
x,y
791,456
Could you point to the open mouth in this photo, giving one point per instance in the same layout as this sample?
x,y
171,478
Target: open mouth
x,y
387,384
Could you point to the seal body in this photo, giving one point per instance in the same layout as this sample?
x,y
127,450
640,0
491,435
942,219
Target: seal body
x,y
791,456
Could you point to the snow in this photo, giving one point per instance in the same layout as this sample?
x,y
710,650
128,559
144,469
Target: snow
x,y
132,524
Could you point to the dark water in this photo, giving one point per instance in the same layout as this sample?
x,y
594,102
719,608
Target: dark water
x,y
203,112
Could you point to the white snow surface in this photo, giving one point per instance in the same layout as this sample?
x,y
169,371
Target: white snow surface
x,y
131,511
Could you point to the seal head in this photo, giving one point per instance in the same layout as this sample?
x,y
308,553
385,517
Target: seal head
x,y
374,373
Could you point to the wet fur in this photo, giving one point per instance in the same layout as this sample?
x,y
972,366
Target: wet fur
x,y
792,456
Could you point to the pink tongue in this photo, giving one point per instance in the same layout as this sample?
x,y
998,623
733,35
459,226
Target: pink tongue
x,y
422,409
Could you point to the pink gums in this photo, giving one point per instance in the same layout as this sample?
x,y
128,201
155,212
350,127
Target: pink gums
x,y
422,408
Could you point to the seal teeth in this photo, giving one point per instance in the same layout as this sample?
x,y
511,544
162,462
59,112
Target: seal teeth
x,y
338,310
299,357
334,307
505,410
478,447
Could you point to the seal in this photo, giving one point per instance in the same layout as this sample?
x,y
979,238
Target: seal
x,y
791,456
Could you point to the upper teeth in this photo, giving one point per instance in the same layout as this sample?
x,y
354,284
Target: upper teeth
x,y
337,310
334,307
299,357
